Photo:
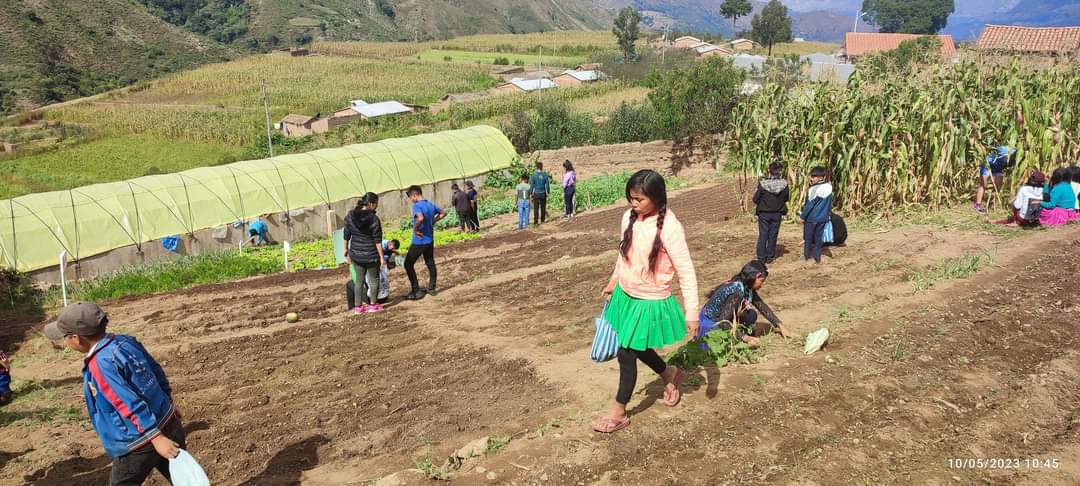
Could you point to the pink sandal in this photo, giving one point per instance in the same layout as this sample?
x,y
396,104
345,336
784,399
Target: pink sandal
x,y
607,426
672,396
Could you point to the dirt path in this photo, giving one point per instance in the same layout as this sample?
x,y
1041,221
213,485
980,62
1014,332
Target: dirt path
x,y
502,351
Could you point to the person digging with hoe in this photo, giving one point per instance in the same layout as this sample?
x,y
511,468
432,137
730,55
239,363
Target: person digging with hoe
x,y
128,397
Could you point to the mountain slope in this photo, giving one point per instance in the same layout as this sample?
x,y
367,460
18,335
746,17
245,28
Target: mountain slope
x,y
704,16
60,49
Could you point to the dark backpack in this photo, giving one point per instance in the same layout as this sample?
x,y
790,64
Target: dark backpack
x,y
1000,163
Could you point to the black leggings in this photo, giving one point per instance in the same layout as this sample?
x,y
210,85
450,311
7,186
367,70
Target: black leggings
x,y
628,370
414,254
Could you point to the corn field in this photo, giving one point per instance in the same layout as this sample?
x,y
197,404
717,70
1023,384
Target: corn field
x,y
222,103
371,50
913,141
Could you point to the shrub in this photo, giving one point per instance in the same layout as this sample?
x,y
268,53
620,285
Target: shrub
x,y
519,62
502,61
555,127
518,128
445,58
629,123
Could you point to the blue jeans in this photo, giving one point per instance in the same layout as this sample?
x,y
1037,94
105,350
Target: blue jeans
x,y
569,203
813,240
523,214
5,383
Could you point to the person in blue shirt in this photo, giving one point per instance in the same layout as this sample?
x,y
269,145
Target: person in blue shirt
x,y
993,170
816,212
1059,200
128,397
5,379
539,185
425,215
258,230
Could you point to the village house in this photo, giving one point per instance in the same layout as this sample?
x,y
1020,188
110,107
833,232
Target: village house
x,y
518,85
302,125
859,44
708,50
685,42
576,78
1054,41
296,125
743,45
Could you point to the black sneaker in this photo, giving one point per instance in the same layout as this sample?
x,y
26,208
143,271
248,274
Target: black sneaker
x,y
415,295
5,399
432,291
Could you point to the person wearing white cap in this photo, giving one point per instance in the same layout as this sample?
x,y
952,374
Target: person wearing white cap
x,y
127,395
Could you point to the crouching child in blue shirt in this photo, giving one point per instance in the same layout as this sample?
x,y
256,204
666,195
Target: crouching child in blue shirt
x,y
127,395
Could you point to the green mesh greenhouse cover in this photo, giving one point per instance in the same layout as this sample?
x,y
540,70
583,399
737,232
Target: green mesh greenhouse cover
x,y
94,219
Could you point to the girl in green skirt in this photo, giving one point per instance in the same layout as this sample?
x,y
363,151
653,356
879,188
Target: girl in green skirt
x,y
642,310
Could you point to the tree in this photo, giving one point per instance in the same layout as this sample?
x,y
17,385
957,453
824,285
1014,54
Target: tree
x,y
733,9
696,100
626,31
909,16
772,25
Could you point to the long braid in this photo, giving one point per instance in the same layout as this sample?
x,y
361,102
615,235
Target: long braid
x,y
657,242
628,236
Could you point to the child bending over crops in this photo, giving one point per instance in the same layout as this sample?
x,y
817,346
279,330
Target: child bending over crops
x,y
1026,206
771,198
5,379
642,310
1059,200
993,170
257,233
127,395
735,301
815,213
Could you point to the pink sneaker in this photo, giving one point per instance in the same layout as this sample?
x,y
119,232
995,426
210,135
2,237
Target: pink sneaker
x,y
373,308
361,309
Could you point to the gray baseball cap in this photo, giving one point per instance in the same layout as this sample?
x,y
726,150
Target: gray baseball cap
x,y
79,318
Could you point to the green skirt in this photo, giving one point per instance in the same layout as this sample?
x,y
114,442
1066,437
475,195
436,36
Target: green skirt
x,y
645,324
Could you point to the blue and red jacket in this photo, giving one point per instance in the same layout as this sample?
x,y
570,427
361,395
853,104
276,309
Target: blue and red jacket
x,y
127,394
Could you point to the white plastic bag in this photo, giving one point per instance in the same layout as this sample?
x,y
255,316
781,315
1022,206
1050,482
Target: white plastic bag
x,y
185,471
384,284
815,340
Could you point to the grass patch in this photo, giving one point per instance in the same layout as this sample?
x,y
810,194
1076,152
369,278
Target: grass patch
x,y
800,48
107,160
430,469
496,444
37,403
959,218
189,271
950,269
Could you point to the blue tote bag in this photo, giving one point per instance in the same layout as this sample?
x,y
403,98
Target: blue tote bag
x,y
605,343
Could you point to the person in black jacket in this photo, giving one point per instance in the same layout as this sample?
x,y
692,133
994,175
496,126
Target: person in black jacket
x,y
363,250
771,198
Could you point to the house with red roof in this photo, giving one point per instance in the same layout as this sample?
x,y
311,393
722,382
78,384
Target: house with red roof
x,y
859,44
1057,41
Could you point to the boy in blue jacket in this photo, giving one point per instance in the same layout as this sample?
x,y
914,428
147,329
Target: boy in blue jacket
x,y
816,212
127,395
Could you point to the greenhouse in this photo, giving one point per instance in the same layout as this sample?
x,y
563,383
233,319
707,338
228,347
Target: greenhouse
x,y
90,220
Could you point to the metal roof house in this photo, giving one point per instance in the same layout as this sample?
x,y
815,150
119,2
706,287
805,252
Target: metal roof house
x,y
577,78
373,110
518,85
